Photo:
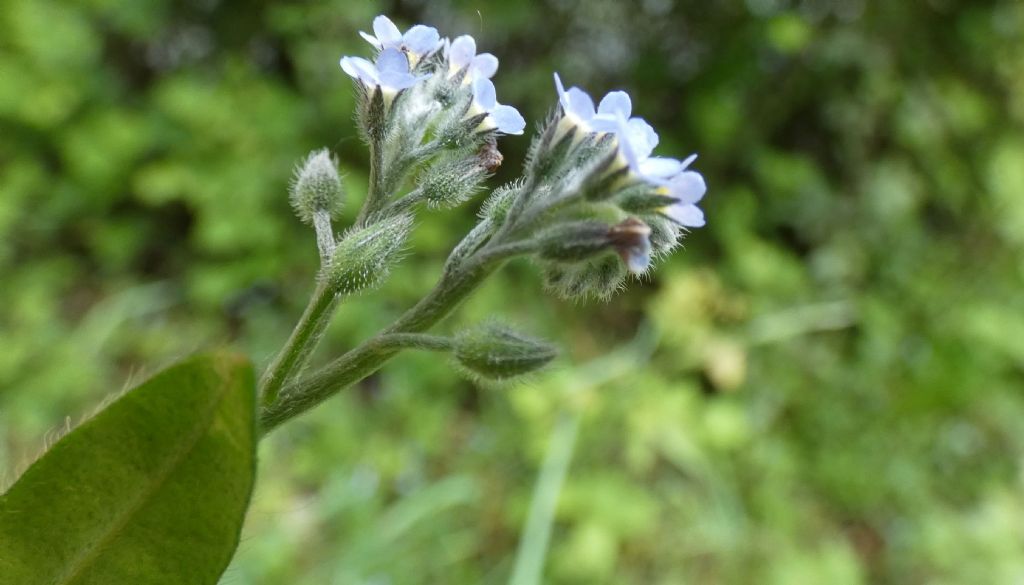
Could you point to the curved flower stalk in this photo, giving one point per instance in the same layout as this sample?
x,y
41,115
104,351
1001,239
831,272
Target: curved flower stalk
x,y
593,206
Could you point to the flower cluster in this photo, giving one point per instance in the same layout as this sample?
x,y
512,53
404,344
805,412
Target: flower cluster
x,y
594,205
405,60
594,199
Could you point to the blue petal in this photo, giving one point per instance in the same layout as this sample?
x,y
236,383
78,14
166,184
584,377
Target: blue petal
x,y
658,167
604,123
398,80
643,137
508,119
370,39
392,60
421,39
461,51
688,187
387,33
615,103
485,64
686,215
625,144
360,69
562,97
484,94
580,103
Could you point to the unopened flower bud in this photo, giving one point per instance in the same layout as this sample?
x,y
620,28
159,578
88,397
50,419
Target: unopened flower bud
x,y
631,239
372,113
496,207
575,241
599,277
642,198
462,132
317,187
496,352
451,182
489,155
364,256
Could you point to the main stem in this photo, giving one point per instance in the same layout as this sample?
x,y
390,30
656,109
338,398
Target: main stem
x,y
300,345
301,395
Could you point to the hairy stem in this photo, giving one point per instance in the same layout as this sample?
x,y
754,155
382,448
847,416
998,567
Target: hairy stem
x,y
375,194
416,341
303,340
305,393
324,235
302,394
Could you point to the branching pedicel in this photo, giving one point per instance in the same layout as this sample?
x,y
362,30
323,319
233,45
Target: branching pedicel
x,y
593,206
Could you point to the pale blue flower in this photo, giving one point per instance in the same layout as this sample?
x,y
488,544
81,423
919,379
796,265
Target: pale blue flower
x,y
578,107
462,53
416,42
390,72
687,188
637,139
505,119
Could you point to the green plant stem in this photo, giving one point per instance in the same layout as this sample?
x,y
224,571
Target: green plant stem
x,y
533,544
295,353
324,235
375,195
416,341
302,394
404,203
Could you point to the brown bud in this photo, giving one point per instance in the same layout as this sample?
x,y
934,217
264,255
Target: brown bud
x,y
489,156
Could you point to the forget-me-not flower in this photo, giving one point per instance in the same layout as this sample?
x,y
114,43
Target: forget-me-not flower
x,y
462,53
505,119
579,110
417,42
390,71
637,139
687,188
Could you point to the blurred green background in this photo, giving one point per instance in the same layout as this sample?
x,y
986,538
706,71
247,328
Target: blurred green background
x,y
836,396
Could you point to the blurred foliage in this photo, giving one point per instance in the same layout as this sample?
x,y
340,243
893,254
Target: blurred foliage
x,y
837,393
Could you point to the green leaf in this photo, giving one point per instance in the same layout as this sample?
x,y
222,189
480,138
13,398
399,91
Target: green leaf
x,y
152,490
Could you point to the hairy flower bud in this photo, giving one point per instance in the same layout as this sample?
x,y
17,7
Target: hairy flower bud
x,y
575,241
451,182
364,256
372,113
496,352
461,133
599,277
316,186
496,207
631,239
641,199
